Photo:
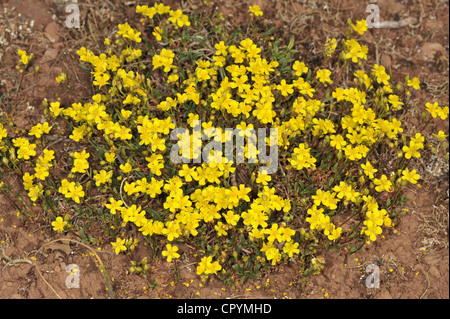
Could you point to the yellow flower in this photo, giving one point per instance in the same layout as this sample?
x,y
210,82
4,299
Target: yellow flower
x,y
110,157
62,78
382,184
371,230
323,75
189,173
394,101
28,181
3,132
78,133
26,149
221,230
285,88
41,172
158,33
410,176
75,192
441,136
24,58
432,108
172,78
114,205
126,168
443,112
337,141
171,252
179,19
415,83
360,27
126,113
103,177
59,224
119,245
263,178
155,163
290,248
273,254
221,48
34,192
354,51
380,73
299,68
330,47
345,190
334,233
39,129
65,186
255,10
231,218
80,163
206,266
172,229
368,169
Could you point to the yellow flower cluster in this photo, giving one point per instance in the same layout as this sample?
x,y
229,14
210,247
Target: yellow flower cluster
x,y
415,144
177,18
302,158
206,266
435,110
71,190
26,149
42,167
318,220
24,57
375,218
39,129
129,125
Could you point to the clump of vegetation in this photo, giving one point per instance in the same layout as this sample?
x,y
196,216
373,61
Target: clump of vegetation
x,y
331,125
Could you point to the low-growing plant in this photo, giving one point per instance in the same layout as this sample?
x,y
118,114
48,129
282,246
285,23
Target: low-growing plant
x,y
343,156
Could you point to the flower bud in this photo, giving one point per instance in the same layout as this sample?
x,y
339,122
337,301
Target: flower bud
x,y
362,179
12,154
424,115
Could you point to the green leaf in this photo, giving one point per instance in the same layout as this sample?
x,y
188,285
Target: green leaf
x,y
252,275
353,249
238,268
155,214
291,43
85,67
